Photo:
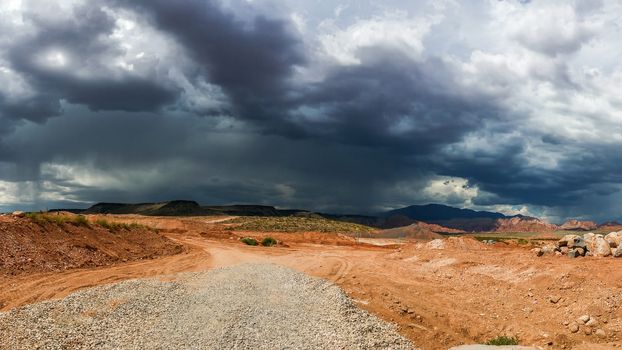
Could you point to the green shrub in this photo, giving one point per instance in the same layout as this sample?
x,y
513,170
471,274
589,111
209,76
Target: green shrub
x,y
294,224
523,241
249,241
118,226
58,219
268,242
81,220
503,340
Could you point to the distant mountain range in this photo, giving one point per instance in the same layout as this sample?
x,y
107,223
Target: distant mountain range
x,y
442,215
439,212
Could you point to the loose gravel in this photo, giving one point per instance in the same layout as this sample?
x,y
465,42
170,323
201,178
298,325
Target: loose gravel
x,y
251,306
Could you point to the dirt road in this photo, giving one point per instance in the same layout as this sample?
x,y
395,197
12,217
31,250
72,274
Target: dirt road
x,y
246,306
439,298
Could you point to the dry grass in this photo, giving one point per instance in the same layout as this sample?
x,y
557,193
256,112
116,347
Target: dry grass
x,y
81,220
118,226
46,218
295,224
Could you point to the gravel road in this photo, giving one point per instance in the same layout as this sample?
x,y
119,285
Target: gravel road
x,y
250,306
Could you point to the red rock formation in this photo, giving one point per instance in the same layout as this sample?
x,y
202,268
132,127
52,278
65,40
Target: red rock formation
x,y
523,224
577,225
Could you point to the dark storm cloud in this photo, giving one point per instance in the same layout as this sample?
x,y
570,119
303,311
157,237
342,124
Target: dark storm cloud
x,y
390,101
592,170
84,77
356,138
250,62
219,165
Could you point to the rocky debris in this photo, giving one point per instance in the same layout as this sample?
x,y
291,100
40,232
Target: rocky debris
x,y
554,299
589,324
579,225
614,239
600,333
573,327
454,243
583,319
547,249
592,322
538,251
18,214
573,253
589,244
436,244
250,306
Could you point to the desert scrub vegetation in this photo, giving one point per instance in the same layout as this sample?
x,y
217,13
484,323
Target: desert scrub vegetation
x,y
294,224
249,241
268,242
503,340
47,218
118,226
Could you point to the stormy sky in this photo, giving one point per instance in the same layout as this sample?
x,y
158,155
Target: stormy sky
x,y
344,106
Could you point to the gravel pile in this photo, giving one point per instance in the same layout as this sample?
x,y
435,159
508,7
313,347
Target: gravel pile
x,y
252,306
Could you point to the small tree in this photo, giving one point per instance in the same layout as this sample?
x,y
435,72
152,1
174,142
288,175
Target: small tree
x,y
268,242
249,241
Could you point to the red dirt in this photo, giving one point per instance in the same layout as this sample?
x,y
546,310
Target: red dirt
x,y
29,247
465,293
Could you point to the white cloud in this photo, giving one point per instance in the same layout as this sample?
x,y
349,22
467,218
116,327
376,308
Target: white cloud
x,y
452,190
396,31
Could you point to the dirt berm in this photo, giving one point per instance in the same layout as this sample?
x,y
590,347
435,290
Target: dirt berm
x,y
30,246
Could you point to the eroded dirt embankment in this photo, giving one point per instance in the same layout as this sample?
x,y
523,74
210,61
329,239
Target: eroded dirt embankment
x,y
34,247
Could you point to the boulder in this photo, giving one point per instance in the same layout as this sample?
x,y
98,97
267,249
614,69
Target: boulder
x,y
590,241
614,239
18,214
566,240
548,249
573,253
601,247
617,253
577,242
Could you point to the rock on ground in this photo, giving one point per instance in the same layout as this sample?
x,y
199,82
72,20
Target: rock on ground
x,y
567,240
252,306
601,247
614,239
